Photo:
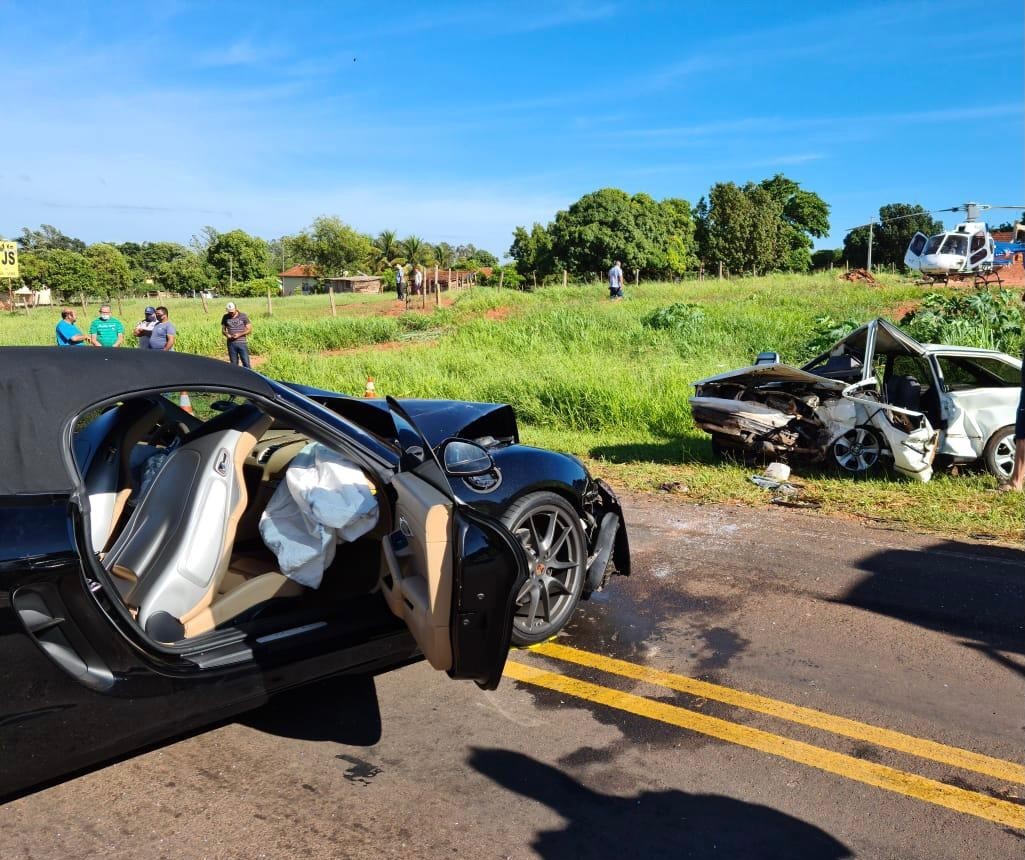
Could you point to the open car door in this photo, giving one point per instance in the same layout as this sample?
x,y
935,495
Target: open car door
x,y
451,573
913,256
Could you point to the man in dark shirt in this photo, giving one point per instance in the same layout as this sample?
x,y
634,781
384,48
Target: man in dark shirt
x,y
236,327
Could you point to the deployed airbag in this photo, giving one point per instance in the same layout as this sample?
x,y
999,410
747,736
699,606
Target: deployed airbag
x,y
323,500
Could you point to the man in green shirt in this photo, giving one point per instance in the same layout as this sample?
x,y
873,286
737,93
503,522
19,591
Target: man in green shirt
x,y
106,330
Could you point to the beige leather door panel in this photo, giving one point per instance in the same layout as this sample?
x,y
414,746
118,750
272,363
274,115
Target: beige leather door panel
x,y
417,578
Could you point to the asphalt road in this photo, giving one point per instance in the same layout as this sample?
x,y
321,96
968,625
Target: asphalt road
x,y
766,684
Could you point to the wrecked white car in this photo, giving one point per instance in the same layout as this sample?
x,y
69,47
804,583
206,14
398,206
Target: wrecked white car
x,y
877,395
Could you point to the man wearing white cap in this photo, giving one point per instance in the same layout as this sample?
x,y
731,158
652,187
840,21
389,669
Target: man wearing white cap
x,y
236,327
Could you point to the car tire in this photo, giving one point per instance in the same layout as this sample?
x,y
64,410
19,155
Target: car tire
x,y
998,456
858,451
549,529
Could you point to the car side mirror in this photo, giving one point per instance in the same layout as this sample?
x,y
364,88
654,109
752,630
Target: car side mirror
x,y
767,358
464,459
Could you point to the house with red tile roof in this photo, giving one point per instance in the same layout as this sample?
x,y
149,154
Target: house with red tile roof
x,y
301,278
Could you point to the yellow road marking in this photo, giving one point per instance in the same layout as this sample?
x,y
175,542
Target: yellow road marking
x,y
870,773
954,756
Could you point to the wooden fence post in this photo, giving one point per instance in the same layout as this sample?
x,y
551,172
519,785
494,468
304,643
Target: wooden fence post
x,y
202,298
331,297
501,278
637,277
720,270
564,278
270,310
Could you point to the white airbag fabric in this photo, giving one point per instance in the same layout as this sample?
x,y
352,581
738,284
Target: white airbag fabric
x,y
324,499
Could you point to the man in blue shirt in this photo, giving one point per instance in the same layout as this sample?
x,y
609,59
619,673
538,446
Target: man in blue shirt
x,y
163,335
68,333
616,281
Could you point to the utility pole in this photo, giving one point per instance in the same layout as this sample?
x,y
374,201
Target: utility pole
x,y
231,274
871,225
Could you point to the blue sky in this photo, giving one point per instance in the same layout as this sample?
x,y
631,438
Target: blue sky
x,y
458,121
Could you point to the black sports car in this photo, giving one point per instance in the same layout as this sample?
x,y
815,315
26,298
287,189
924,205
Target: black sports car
x,y
141,495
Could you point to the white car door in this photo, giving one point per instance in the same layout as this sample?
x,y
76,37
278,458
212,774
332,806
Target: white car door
x,y
980,395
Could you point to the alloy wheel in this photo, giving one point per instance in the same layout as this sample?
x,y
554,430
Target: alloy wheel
x,y
858,450
553,539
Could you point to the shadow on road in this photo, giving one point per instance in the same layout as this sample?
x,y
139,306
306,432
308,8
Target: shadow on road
x,y
344,710
652,824
681,449
975,593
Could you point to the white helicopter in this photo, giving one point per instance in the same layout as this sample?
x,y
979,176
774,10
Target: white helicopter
x,y
967,251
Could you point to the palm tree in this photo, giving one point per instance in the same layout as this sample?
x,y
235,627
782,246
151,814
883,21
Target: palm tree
x,y
445,255
416,250
388,248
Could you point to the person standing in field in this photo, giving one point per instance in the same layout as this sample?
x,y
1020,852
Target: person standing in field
x,y
164,333
68,334
236,327
144,327
400,285
106,329
616,281
418,281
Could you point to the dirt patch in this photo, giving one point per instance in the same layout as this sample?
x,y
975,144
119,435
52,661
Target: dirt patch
x,y
497,314
897,312
861,276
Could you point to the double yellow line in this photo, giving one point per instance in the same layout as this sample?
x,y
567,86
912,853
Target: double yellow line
x,y
870,773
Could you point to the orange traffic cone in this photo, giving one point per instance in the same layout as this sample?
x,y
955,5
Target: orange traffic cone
x,y
370,391
185,403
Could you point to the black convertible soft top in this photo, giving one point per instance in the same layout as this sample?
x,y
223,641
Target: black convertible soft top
x,y
43,389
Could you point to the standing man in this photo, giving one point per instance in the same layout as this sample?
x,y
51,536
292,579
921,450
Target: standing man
x,y
616,281
144,327
164,333
68,333
400,285
106,330
418,281
236,327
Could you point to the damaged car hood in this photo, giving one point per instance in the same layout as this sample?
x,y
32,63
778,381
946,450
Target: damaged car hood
x,y
759,374
438,420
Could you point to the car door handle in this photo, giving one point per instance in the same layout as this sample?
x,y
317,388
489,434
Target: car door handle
x,y
45,627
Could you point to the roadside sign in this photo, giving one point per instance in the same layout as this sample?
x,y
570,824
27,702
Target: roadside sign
x,y
8,259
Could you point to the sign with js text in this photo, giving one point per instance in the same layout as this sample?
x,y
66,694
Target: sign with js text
x,y
8,259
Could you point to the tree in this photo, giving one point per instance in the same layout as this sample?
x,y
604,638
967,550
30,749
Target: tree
x,y
532,251
416,250
470,257
332,247
724,223
111,269
804,215
445,255
388,247
237,256
69,273
609,225
826,257
48,238
186,274
32,270
898,223
681,249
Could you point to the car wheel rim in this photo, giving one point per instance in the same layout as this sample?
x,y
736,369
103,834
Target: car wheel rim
x,y
1003,456
556,552
857,450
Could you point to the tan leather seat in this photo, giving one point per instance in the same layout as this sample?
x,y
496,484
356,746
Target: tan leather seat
x,y
109,479
175,550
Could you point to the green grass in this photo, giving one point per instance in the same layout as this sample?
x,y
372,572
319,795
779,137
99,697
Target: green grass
x,y
587,376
